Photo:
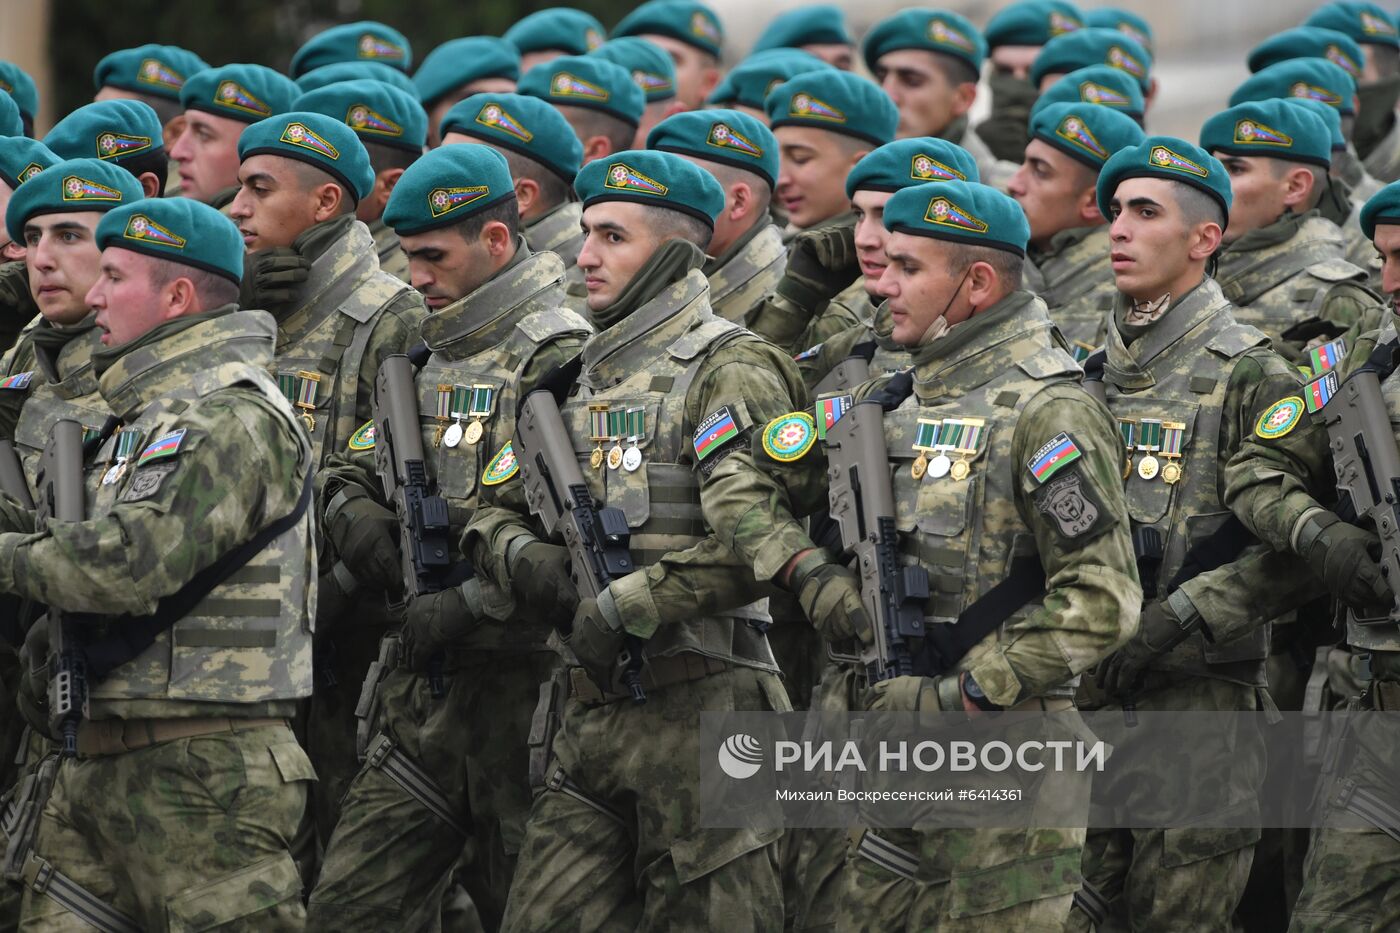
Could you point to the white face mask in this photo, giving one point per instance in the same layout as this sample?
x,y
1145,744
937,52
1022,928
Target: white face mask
x,y
937,329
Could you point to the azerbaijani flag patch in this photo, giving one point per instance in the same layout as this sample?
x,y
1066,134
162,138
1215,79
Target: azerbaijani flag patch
x,y
167,445
1320,391
717,428
1059,452
1326,357
829,411
18,381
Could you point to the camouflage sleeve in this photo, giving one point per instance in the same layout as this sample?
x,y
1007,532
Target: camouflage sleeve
x,y
1277,463
19,359
835,318
395,331
240,466
1351,305
781,321
1219,595
1079,517
821,356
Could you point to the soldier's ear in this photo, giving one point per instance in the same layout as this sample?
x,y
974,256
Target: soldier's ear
x,y
527,191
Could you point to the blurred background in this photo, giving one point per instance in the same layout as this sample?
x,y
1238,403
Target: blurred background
x,y
1201,44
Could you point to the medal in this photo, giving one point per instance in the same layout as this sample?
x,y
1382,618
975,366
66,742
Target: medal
x,y
307,386
617,425
968,443
1147,467
473,432
636,427
959,470
919,468
1149,441
127,441
114,473
480,399
595,459
939,466
1126,430
615,457
1173,432
444,415
453,435
631,459
925,439
1171,473
597,433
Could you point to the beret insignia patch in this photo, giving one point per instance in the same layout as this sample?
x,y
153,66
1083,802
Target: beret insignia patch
x,y
142,228
945,213
1162,157
76,188
235,96
446,200
154,71
623,177
496,117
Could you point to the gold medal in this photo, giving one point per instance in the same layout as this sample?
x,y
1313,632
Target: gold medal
x,y
959,470
595,459
438,435
1127,466
473,432
1171,473
1147,467
615,457
309,420
919,468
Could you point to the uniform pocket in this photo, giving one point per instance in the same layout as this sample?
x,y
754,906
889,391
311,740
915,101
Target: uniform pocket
x,y
237,895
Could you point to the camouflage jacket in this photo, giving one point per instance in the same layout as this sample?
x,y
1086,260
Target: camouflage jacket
x,y
502,338
993,171
1349,168
816,363
559,232
683,374
1383,162
791,326
1077,286
211,454
748,273
1186,393
392,258
348,317
1290,281
1340,206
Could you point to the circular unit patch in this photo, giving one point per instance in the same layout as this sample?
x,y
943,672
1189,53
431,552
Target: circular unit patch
x,y
1279,418
363,439
789,437
501,468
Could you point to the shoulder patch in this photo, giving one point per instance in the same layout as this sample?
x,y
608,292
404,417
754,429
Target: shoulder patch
x,y
167,445
1336,269
501,467
808,353
18,382
1073,505
1279,418
146,483
363,439
1056,454
789,437
715,430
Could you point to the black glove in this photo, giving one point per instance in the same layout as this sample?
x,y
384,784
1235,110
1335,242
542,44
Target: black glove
x,y
1341,552
15,298
821,263
830,597
1159,631
433,621
273,277
539,575
366,536
596,643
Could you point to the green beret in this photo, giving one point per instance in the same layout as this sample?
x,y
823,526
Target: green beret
x,y
1170,158
525,125
1087,133
753,80
1367,23
1309,42
21,158
447,186
586,81
1382,208
651,66
178,229
248,93
1032,22
683,20
317,78
820,24
1329,115
960,211
11,123
908,162
365,40
376,112
315,139
836,101
77,185
1271,129
656,179
107,129
1089,46
16,82
1313,78
931,30
571,31
158,70
1129,24
462,61
1098,84
724,136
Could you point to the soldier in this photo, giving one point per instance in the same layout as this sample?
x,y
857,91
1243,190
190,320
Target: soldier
x,y
188,706
825,122
688,30
1089,46
123,132
1015,35
220,103
819,30
544,155
614,838
1186,383
597,97
16,82
1377,133
335,72
747,257
1282,265
747,85
495,329
1056,187
313,266
459,68
393,128
1130,24
21,158
152,74
654,73
362,41
546,34
1103,85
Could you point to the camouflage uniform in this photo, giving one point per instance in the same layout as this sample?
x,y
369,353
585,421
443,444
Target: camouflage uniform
x,y
816,363
1340,206
559,232
614,840
390,856
1290,281
392,258
1350,169
181,808
792,327
348,317
1077,286
748,273
1383,161
1196,366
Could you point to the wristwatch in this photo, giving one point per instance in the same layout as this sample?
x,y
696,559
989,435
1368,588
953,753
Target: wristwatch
x,y
973,691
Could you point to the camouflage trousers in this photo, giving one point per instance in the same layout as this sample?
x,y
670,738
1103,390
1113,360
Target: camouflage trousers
x,y
1349,877
647,863
390,861
190,834
1182,878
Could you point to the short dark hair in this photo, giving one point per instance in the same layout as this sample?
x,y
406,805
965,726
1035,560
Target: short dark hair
x,y
165,108
214,290
1281,167
667,224
728,175
309,176
1197,206
956,69
588,122
1007,265
382,158
156,161
554,190
506,211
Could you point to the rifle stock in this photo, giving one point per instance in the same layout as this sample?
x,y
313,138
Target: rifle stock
x,y
62,471
12,482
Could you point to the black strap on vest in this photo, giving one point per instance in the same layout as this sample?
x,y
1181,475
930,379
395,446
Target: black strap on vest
x,y
865,350
947,644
